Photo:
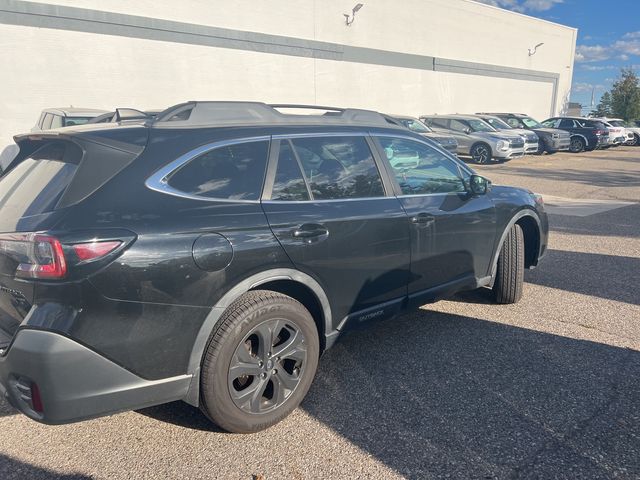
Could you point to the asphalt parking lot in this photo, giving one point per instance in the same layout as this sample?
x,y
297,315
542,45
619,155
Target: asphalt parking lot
x,y
547,388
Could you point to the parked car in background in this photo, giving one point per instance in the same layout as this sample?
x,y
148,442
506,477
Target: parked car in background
x,y
550,140
531,143
65,117
448,142
210,255
631,131
120,114
617,135
476,138
586,134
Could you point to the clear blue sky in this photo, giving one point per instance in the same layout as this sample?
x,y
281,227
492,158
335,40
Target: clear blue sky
x,y
608,37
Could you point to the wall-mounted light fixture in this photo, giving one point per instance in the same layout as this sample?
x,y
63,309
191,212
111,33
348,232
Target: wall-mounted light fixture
x,y
532,52
349,18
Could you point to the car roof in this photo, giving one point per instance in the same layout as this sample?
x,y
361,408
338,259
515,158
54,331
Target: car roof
x,y
403,117
455,116
75,111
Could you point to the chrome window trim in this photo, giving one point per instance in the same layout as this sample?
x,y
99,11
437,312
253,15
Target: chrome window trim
x,y
358,199
159,180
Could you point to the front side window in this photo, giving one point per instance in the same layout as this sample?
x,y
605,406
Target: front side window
x,y
459,126
233,172
420,169
480,126
338,167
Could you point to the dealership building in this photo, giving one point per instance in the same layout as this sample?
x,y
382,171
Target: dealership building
x,y
406,57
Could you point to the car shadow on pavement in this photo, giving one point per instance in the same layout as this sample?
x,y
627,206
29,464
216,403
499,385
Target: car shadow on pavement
x,y
431,395
12,469
182,415
619,222
6,409
613,277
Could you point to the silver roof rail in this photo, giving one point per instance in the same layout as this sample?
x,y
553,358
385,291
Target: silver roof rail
x,y
216,114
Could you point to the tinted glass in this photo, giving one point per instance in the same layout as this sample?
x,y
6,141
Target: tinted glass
x,y
36,184
436,122
69,121
233,172
495,122
549,123
458,126
339,167
420,169
289,183
415,125
566,123
46,124
56,122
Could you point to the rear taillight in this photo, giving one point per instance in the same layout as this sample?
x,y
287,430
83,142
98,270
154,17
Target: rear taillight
x,y
36,255
94,250
601,132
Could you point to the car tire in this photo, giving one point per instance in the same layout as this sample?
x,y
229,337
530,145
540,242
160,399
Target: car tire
x,y
259,362
508,284
636,140
577,145
481,153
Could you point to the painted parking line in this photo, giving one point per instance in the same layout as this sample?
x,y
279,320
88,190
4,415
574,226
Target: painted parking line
x,y
580,207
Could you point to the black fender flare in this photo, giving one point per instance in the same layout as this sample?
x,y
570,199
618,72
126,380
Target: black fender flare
x,y
525,212
236,292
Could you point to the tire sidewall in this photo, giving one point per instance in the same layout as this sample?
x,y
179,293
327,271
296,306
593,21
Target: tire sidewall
x,y
215,394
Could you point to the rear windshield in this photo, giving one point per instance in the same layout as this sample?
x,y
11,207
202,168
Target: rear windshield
x,y
36,184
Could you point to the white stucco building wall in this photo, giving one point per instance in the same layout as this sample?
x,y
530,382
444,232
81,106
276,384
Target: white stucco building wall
x,y
409,57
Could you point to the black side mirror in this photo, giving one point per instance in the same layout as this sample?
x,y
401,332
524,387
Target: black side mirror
x,y
479,185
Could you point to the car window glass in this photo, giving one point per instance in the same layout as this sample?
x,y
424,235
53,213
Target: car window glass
x,y
458,126
56,122
566,123
231,172
549,123
339,167
513,122
420,169
289,183
46,124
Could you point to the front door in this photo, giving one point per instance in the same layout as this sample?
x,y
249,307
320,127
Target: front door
x,y
329,209
452,232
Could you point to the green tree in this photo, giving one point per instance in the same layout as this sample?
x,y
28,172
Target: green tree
x,y
604,106
625,95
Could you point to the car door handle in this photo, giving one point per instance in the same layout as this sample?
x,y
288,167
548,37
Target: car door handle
x,y
422,218
310,231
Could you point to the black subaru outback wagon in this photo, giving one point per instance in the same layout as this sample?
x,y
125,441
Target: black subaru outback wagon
x,y
211,254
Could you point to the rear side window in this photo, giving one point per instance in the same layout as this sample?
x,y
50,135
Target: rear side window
x,y
56,122
566,123
233,172
36,184
339,167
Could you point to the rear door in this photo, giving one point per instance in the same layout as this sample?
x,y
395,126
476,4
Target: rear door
x,y
452,232
329,207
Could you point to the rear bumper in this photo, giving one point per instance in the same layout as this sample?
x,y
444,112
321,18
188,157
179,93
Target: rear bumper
x,y
75,382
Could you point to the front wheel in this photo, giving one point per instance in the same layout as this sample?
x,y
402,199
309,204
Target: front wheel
x,y
481,153
259,363
507,287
